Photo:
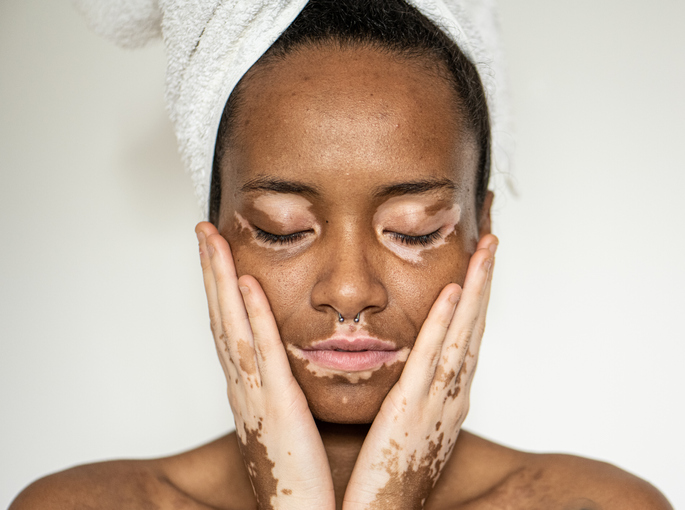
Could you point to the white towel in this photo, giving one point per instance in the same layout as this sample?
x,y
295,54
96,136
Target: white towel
x,y
211,44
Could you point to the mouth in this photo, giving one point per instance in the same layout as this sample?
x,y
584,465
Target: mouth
x,y
352,354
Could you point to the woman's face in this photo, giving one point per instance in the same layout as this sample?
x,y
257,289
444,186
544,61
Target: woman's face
x,y
349,188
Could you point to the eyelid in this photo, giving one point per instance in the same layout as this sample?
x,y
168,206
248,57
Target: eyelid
x,y
282,239
420,240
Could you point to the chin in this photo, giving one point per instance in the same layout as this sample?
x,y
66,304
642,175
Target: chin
x,y
337,400
355,411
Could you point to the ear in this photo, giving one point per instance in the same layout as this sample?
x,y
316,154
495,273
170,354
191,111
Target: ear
x,y
484,215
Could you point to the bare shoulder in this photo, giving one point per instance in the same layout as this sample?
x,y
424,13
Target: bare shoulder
x,y
200,479
593,485
530,481
115,484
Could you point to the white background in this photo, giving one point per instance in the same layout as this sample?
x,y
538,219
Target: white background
x,y
105,349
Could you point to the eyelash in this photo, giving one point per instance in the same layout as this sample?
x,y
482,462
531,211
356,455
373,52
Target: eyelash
x,y
270,238
423,240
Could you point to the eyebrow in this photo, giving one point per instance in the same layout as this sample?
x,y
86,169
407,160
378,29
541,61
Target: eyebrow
x,y
417,187
414,188
279,186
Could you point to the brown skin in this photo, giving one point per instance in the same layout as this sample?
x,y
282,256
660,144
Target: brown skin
x,y
404,127
337,124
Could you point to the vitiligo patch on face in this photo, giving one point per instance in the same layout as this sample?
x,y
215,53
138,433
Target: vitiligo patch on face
x,y
353,377
415,216
287,212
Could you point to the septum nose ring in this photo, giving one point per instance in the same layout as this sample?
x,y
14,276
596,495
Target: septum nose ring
x,y
342,319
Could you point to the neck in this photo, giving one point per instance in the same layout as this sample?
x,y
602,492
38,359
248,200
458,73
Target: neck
x,y
342,444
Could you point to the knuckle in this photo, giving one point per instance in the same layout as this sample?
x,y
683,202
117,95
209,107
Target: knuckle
x,y
464,336
444,323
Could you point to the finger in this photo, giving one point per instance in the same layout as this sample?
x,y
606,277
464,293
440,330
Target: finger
x,y
203,230
468,311
220,340
271,357
420,367
474,346
235,326
477,338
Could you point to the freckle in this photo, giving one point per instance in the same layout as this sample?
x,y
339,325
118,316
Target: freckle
x,y
287,492
289,453
236,380
404,401
406,434
395,418
437,426
427,437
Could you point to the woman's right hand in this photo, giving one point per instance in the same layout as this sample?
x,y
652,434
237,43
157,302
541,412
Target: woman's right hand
x,y
278,438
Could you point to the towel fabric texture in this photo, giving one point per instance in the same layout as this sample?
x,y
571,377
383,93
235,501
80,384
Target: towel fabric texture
x,y
211,44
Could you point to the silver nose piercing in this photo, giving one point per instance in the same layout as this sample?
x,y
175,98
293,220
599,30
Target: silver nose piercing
x,y
342,319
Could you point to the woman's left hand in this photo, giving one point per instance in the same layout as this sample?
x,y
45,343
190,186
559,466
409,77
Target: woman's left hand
x,y
417,426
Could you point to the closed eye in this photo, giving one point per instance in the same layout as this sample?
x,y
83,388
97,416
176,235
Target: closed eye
x,y
285,239
422,240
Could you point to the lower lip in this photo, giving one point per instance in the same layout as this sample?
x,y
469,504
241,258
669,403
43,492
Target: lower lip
x,y
350,361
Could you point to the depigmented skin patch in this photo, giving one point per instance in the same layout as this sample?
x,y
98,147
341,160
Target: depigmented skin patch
x,y
413,484
278,214
415,216
351,377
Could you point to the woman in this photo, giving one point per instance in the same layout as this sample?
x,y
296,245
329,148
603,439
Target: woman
x,y
347,268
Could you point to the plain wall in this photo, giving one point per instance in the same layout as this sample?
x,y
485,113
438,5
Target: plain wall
x,y
105,349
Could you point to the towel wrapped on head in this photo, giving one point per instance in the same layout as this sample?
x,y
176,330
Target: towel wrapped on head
x,y
211,44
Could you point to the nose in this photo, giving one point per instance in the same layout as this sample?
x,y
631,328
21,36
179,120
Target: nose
x,y
349,282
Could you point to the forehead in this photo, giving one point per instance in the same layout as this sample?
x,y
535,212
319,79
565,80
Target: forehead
x,y
323,113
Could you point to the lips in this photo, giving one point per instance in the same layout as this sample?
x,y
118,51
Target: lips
x,y
351,354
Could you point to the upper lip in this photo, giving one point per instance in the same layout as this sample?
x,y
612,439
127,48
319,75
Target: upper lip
x,y
352,345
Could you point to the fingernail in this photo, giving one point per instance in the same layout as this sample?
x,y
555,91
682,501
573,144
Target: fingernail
x,y
200,236
454,298
493,248
244,290
210,249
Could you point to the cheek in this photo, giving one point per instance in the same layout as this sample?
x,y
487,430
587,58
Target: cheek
x,y
414,287
287,284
